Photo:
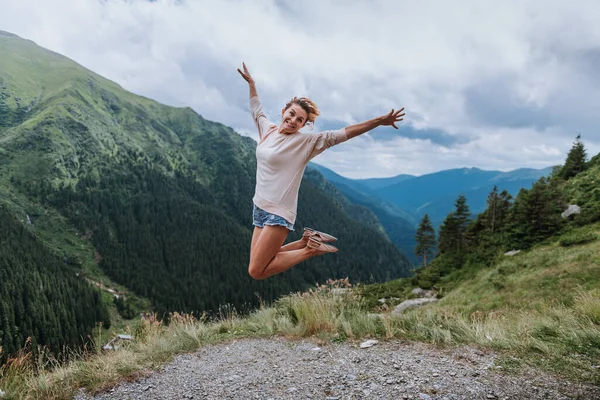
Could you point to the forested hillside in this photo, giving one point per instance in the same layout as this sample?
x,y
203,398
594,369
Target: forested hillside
x,y
467,241
40,296
156,198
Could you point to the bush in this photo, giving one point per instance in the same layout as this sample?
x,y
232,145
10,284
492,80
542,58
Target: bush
x,y
577,238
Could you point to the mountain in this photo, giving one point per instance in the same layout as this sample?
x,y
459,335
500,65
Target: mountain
x,y
377,183
434,194
400,202
40,296
153,198
397,223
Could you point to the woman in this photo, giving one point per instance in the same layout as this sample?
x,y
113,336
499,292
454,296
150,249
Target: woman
x,y
282,154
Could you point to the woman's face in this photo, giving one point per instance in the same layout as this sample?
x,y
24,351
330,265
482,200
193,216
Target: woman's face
x,y
292,119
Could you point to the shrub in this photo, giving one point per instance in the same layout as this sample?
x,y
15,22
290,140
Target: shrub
x,y
577,238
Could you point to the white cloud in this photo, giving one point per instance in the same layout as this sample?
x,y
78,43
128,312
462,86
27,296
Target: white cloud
x,y
529,64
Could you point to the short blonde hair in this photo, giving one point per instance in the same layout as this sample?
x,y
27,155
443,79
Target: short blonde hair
x,y
312,111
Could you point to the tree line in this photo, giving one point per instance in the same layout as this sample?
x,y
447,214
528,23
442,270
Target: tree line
x,y
41,298
507,223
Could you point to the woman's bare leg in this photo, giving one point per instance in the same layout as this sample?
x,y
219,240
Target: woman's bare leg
x,y
297,245
266,257
255,236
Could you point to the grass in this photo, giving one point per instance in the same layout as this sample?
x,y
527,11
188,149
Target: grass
x,y
561,338
538,309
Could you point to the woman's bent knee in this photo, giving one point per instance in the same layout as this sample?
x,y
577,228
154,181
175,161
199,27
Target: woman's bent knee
x,y
255,273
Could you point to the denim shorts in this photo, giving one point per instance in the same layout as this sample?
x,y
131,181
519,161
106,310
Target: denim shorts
x,y
262,218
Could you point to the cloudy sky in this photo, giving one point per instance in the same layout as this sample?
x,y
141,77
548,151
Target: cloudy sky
x,y
492,85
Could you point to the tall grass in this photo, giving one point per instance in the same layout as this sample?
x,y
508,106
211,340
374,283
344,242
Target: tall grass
x,y
556,337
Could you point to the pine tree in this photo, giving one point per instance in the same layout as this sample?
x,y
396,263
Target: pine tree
x,y
4,111
425,239
575,162
462,215
503,208
492,203
535,214
593,161
498,208
453,231
447,234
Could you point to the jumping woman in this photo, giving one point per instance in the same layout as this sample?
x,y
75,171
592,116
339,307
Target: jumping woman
x,y
282,154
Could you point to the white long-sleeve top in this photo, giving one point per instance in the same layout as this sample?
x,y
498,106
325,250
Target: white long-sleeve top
x,y
281,159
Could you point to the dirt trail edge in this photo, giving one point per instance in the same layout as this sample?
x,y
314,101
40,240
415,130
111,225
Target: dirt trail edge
x,y
300,369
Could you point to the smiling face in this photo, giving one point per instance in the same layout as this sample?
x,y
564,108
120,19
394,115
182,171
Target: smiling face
x,y
292,119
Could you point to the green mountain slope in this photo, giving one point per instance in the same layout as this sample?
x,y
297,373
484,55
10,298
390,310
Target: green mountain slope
x,y
41,298
399,225
540,308
154,197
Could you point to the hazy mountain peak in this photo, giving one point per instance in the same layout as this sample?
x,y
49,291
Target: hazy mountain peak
x,y
8,34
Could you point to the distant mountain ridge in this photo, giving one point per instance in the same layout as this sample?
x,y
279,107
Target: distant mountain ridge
x,y
411,197
434,194
376,183
398,224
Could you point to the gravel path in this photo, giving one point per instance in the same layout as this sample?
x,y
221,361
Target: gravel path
x,y
300,369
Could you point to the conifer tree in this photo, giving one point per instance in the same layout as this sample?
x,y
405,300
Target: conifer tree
x,y
453,230
498,207
425,239
462,215
4,111
535,214
575,162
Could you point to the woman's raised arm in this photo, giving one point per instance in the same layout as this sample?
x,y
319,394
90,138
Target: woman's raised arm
x,y
246,75
385,120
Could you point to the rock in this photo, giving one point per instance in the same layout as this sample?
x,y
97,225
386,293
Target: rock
x,y
368,343
2,394
512,252
424,396
408,304
381,300
422,292
572,209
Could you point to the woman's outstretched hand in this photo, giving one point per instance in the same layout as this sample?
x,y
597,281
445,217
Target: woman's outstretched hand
x,y
246,74
393,117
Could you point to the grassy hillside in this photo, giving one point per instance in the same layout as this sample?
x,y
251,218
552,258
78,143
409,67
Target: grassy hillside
x,y
543,306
